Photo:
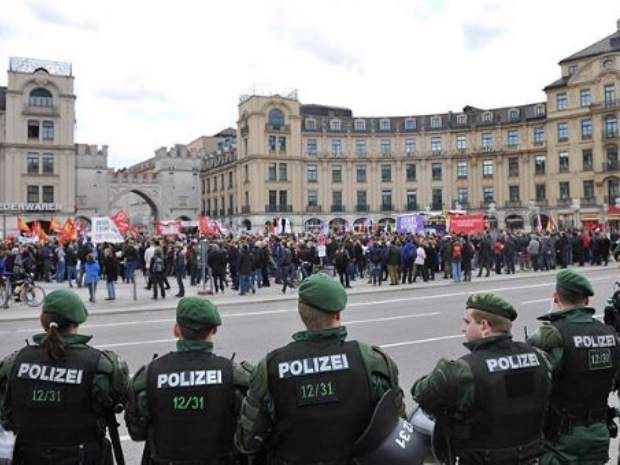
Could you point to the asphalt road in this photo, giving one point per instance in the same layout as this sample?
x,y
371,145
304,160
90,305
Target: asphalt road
x,y
415,324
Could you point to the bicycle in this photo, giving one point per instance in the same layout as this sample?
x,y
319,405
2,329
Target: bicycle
x,y
24,289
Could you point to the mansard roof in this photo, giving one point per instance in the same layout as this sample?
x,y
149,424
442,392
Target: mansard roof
x,y
608,44
2,98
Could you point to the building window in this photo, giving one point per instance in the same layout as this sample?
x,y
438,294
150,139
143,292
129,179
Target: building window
x,y
384,124
513,115
230,180
336,147
282,172
437,199
386,146
461,142
337,198
283,198
40,98
561,101
273,199
586,129
271,172
360,172
335,125
487,140
32,194
271,144
33,129
313,198
563,162
33,163
461,119
539,164
564,190
540,110
436,144
611,127
435,122
311,146
310,124
48,194
362,199
209,184
48,163
513,193
276,119
282,144
312,173
48,130
360,147
588,189
572,69
539,134
488,194
215,185
386,172
462,195
386,199
410,172
436,171
541,192
588,163
410,145
487,117
609,63
246,175
412,200
360,125
562,132
487,168
410,124
336,173
610,96
513,166
513,138
585,99
461,170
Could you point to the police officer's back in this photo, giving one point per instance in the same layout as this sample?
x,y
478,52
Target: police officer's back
x,y
54,393
186,403
490,404
311,400
584,355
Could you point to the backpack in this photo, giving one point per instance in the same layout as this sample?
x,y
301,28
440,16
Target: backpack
x,y
411,253
158,265
456,251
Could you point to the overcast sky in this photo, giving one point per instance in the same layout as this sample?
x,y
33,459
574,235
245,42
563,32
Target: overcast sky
x,y
156,73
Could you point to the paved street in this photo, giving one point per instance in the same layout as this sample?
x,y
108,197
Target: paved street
x,y
417,324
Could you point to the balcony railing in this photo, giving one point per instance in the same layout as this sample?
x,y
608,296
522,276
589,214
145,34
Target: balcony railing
x,y
610,165
564,202
610,134
387,207
587,201
460,204
283,128
245,209
231,211
611,200
411,207
362,207
338,208
273,208
542,202
314,208
513,204
222,210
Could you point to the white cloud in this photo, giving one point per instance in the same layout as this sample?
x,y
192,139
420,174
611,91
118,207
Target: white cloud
x,y
151,74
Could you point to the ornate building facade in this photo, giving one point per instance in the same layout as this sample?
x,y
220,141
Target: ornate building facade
x,y
315,164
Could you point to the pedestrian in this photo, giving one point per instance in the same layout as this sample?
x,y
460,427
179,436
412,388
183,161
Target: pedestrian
x,y
584,357
489,405
286,265
180,268
91,276
110,268
60,263
341,262
246,270
148,258
71,261
419,262
309,401
191,421
157,272
55,392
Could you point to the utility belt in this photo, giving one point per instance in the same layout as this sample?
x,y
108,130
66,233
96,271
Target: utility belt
x,y
560,421
225,460
90,453
522,454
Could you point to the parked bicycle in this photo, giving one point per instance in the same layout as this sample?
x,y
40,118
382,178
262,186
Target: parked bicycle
x,y
23,289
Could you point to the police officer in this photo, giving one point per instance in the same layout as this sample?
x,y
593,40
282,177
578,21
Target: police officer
x,y
54,393
186,403
490,404
310,400
584,356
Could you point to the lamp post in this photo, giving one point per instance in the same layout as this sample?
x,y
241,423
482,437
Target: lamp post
x,y
575,207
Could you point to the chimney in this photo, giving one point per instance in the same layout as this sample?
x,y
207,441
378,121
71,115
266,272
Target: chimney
x,y
618,24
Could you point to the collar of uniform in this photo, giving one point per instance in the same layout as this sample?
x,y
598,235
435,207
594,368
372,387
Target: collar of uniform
x,y
70,339
485,341
319,334
185,345
576,314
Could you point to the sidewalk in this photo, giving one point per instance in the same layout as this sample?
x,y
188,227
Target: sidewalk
x,y
125,302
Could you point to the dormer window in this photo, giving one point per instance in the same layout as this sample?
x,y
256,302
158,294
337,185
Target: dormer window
x,y
360,125
384,124
436,122
540,110
40,98
276,119
410,124
513,115
461,119
311,124
487,117
608,63
335,125
572,69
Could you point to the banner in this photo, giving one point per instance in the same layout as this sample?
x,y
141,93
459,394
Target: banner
x,y
467,223
22,225
409,223
121,221
165,228
204,226
68,231
103,229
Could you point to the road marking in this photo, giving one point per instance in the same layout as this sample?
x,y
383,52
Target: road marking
x,y
135,343
402,317
420,341
527,302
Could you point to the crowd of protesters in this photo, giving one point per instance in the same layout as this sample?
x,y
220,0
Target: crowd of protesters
x,y
247,263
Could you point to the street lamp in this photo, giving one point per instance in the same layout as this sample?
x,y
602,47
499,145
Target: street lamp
x,y
575,207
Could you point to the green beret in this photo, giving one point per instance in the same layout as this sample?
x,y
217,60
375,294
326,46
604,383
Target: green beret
x,y
197,313
574,282
67,304
323,293
492,304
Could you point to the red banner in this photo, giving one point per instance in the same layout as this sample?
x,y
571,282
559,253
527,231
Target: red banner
x,y
121,221
466,223
165,228
205,228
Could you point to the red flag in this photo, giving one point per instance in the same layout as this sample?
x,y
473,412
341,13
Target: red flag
x,y
538,224
54,225
204,226
21,225
68,231
121,221
38,231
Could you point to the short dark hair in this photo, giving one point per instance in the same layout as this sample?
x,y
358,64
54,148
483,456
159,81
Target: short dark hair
x,y
570,297
195,334
496,322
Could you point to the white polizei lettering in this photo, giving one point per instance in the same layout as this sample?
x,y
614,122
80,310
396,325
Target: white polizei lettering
x,y
60,373
80,374
189,378
161,379
34,372
512,362
173,379
604,340
184,381
200,378
312,365
49,373
23,369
